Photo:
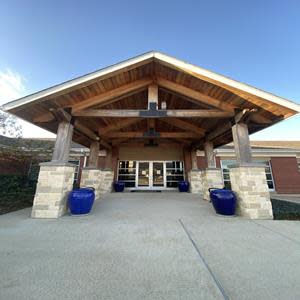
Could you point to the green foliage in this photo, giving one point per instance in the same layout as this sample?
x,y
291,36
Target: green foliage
x,y
284,210
16,192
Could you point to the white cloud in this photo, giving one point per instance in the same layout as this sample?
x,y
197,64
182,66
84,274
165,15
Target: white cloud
x,y
12,86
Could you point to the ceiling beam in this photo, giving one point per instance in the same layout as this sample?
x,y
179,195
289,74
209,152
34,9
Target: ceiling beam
x,y
136,134
184,125
90,134
174,113
195,95
105,97
220,130
119,125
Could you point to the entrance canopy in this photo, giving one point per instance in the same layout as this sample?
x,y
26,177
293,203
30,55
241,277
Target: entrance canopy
x,y
150,99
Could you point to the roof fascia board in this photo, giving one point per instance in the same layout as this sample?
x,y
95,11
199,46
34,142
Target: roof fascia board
x,y
227,81
77,81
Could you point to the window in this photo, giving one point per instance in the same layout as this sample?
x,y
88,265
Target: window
x,y
127,172
226,177
76,163
174,173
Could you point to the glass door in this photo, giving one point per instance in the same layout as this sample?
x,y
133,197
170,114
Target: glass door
x,y
158,177
143,174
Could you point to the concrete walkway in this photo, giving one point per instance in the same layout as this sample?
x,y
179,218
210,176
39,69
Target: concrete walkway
x,y
148,246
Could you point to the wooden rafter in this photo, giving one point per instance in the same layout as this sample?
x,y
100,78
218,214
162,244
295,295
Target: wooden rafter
x,y
195,95
175,113
119,125
114,94
184,125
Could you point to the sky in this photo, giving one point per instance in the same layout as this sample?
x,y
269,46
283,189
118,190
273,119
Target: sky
x,y
43,43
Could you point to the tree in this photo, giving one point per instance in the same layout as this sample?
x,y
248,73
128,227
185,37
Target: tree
x,y
9,125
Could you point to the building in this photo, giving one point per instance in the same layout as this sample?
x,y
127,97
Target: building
x,y
152,114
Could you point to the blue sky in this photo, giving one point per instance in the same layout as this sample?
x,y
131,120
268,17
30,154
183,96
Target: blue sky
x,y
257,42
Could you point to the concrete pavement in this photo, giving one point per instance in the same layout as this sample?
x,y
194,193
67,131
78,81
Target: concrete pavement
x,y
148,246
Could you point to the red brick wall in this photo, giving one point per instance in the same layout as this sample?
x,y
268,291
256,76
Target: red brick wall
x,y
286,175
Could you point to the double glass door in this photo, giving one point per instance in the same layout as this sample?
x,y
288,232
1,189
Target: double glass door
x,y
150,174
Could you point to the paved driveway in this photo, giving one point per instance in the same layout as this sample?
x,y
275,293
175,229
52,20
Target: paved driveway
x,y
148,246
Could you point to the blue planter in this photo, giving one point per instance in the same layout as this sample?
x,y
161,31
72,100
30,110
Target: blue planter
x,y
224,201
81,201
119,186
183,186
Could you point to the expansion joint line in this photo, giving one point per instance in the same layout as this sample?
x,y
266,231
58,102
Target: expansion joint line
x,y
220,287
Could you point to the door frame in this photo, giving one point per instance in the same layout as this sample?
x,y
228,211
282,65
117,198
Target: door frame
x,y
150,187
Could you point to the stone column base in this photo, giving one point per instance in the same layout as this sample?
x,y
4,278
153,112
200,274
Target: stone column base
x,y
91,177
250,186
107,178
54,184
211,178
195,180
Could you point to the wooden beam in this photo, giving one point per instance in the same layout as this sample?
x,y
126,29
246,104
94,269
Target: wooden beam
x,y
86,131
44,118
195,95
105,144
121,124
223,128
153,96
112,94
137,134
184,125
60,114
131,113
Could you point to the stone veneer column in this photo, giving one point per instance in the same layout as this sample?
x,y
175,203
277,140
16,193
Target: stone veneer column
x,y
250,186
195,180
106,180
54,184
91,177
211,178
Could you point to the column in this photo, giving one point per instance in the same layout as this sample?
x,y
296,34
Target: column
x,y
195,175
107,174
90,176
56,177
248,180
211,176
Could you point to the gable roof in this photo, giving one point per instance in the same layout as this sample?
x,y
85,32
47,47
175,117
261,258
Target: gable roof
x,y
125,85
179,64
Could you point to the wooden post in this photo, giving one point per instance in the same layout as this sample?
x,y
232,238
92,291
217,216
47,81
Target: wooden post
x,y
94,154
153,96
63,142
241,143
209,154
115,157
108,159
187,161
194,159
